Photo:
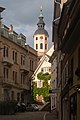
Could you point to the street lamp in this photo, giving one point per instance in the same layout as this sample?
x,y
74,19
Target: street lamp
x,y
1,10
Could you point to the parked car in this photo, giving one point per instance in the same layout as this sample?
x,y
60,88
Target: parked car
x,y
36,107
30,108
20,107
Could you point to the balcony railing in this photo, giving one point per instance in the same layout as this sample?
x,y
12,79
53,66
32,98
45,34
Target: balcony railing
x,y
24,87
7,83
23,69
7,62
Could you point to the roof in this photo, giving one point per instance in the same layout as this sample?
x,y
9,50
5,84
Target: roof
x,y
41,31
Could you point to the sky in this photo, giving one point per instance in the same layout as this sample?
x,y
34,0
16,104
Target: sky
x,y
23,15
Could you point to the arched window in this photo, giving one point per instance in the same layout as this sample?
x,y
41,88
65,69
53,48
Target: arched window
x,y
45,38
36,38
36,46
41,46
45,46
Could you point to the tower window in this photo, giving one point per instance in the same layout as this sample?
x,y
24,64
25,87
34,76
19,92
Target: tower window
x,y
45,46
36,46
36,38
41,46
41,26
45,38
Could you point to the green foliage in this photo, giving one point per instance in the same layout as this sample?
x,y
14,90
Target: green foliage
x,y
40,76
44,91
44,76
7,107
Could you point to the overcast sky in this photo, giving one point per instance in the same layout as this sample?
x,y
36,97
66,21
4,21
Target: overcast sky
x,y
23,15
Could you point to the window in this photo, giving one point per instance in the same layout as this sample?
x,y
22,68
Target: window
x,y
40,83
15,56
5,51
36,38
36,46
15,76
12,95
18,97
41,26
41,46
45,38
49,69
41,69
22,79
22,60
6,72
45,46
6,94
31,65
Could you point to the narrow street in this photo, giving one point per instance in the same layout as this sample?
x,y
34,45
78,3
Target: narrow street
x,y
24,116
30,116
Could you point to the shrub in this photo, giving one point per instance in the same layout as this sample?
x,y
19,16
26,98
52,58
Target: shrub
x,y
7,107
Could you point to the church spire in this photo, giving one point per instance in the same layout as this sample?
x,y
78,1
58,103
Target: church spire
x,y
41,36
41,23
41,14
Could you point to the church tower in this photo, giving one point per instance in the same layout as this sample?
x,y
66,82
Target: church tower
x,y
41,37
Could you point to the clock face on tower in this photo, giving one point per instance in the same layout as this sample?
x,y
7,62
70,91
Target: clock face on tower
x,y
41,37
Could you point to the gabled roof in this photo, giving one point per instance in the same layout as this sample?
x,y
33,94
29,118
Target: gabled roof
x,y
43,58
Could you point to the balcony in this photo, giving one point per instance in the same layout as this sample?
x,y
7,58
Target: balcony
x,y
24,87
7,62
7,83
10,84
23,69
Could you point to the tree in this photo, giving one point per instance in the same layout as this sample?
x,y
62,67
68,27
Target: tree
x,y
45,90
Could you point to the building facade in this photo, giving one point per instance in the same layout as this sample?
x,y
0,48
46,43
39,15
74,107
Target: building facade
x,y
43,66
67,46
53,61
14,66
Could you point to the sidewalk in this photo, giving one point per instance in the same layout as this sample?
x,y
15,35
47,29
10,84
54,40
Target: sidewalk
x,y
51,115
